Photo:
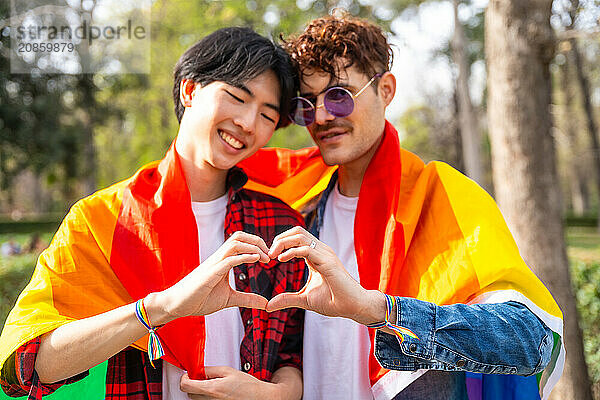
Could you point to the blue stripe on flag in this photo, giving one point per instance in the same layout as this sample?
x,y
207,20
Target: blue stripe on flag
x,y
501,387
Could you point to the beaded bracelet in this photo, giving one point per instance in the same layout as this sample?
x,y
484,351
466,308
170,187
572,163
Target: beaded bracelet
x,y
398,330
155,349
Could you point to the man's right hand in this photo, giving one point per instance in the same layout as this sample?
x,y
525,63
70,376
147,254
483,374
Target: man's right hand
x,y
81,344
206,289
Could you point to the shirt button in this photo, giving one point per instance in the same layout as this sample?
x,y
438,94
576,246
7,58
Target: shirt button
x,y
460,363
247,366
242,276
249,322
412,348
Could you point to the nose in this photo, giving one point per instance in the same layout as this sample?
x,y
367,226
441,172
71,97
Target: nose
x,y
322,116
246,121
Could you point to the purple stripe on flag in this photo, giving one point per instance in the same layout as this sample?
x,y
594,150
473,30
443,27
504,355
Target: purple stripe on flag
x,y
474,386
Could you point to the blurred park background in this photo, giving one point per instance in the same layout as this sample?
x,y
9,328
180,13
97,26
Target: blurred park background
x,y
65,135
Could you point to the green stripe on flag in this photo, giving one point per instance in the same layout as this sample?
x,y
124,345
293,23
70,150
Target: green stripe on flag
x,y
93,387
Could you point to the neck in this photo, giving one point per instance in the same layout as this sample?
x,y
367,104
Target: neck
x,y
350,180
351,174
204,181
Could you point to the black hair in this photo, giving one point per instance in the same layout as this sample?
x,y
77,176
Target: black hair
x,y
235,56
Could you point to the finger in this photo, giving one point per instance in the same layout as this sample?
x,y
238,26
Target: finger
x,y
250,238
296,252
223,267
287,300
238,247
232,261
296,240
246,300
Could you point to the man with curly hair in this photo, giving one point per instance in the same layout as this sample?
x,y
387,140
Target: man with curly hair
x,y
416,257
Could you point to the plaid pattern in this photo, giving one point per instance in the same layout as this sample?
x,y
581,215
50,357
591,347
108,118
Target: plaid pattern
x,y
129,375
271,340
19,378
277,336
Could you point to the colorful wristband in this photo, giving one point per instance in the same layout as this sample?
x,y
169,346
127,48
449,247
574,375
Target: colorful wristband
x,y
398,330
155,349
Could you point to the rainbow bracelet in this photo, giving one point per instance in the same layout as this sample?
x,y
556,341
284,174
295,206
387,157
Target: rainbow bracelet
x,y
398,330
155,349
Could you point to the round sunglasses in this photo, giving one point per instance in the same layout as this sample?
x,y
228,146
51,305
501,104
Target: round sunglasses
x,y
338,102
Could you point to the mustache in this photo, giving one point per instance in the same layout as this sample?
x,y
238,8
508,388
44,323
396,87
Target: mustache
x,y
330,125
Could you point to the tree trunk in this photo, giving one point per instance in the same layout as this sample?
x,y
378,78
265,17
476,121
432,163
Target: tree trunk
x,y
592,129
87,110
39,197
577,187
584,87
519,46
459,161
88,103
471,137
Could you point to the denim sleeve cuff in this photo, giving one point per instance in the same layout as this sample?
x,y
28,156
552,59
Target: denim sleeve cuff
x,y
419,317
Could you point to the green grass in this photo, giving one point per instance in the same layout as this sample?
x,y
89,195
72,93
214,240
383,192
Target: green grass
x,y
584,255
586,238
15,271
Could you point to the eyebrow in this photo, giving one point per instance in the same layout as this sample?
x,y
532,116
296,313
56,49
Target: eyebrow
x,y
338,84
247,90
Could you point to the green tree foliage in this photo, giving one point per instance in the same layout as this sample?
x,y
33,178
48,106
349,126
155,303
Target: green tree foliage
x,y
47,121
146,124
35,133
431,134
44,118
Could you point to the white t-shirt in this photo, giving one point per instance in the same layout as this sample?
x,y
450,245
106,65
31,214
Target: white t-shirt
x,y
336,350
224,328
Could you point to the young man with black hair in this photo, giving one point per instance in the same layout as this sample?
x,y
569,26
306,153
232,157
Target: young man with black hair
x,y
438,303
149,256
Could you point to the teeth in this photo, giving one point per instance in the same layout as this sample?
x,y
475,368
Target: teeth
x,y
233,142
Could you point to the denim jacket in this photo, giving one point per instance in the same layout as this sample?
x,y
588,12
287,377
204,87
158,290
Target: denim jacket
x,y
500,338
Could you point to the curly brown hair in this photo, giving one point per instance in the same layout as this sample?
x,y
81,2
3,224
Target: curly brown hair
x,y
328,40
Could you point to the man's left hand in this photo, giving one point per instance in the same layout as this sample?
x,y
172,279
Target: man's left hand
x,y
228,383
330,290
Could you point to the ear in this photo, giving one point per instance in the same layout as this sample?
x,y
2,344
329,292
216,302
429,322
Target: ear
x,y
186,92
387,87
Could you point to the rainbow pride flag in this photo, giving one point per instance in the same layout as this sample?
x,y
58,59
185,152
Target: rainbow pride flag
x,y
427,232
114,247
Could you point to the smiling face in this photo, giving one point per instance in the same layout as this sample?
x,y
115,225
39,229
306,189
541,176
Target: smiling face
x,y
224,124
350,140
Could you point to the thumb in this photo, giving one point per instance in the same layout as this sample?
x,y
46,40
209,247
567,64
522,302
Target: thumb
x,y
193,386
287,300
246,300
217,372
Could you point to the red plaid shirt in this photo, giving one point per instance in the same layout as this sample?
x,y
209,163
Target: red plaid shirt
x,y
263,350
